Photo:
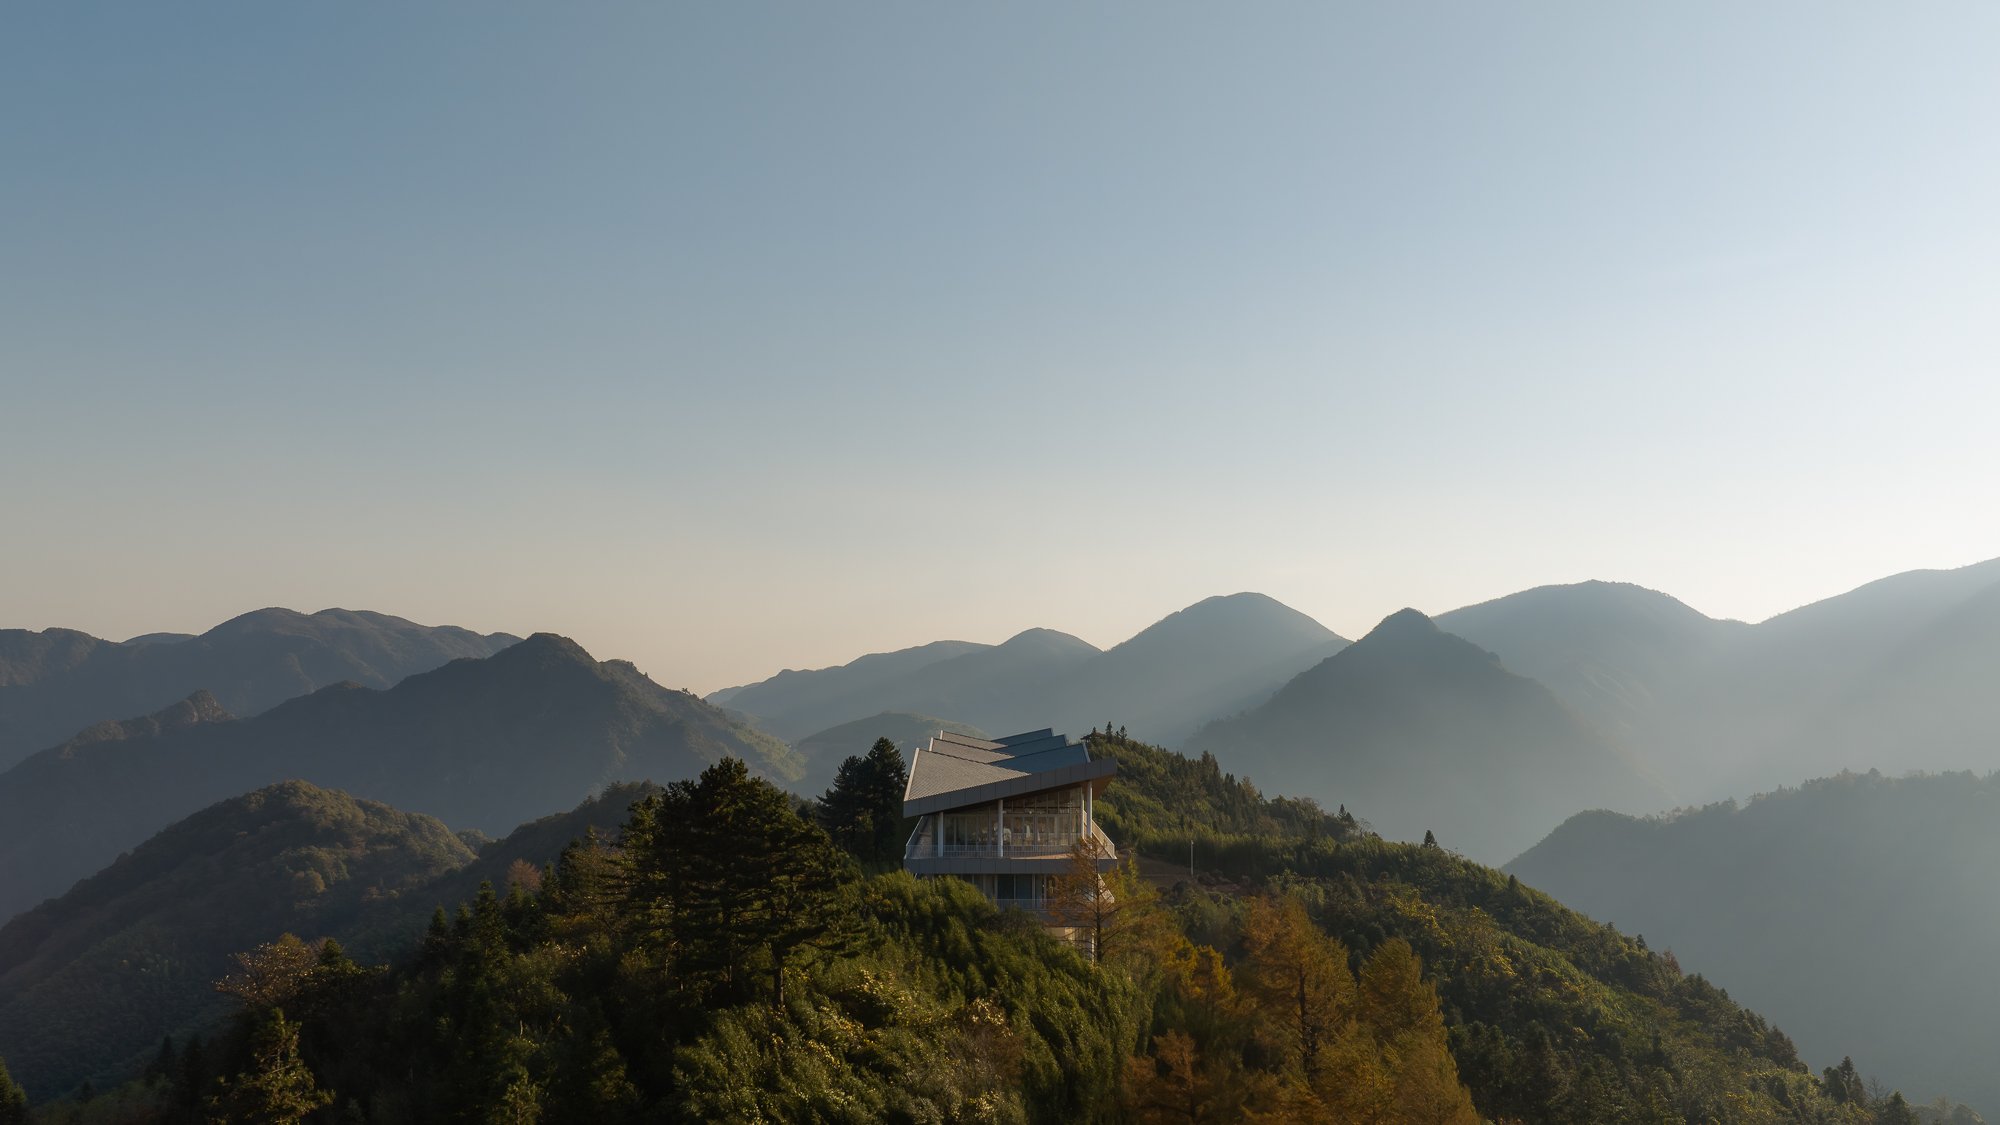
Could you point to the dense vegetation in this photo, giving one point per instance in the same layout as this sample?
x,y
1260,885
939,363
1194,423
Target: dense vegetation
x,y
1887,883
1316,972
89,981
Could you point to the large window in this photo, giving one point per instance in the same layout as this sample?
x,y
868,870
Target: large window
x,y
1045,822
1029,892
1041,824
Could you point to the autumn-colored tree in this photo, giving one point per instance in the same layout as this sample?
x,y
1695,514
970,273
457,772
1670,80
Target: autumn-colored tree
x,y
1299,980
1399,1008
1177,1084
1079,899
271,974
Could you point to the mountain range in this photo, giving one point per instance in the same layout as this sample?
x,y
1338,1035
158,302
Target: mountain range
x,y
1420,730
1892,675
57,681
480,743
1212,658
1857,909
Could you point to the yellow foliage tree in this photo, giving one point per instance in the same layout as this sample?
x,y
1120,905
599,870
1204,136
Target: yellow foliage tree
x,y
1400,1010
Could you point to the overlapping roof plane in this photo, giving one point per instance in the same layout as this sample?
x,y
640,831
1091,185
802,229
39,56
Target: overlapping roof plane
x,y
955,769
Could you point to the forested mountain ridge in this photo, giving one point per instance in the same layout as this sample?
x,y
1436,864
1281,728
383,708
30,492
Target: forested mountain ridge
x,y
54,683
1422,729
1858,909
89,982
485,744
1433,990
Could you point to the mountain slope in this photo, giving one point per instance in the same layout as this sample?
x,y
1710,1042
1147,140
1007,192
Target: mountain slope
x,y
1784,699
1423,730
89,982
483,744
1859,910
795,700
1214,658
55,682
1613,652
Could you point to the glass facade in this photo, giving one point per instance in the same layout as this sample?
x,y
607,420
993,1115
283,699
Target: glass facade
x,y
1041,824
1026,892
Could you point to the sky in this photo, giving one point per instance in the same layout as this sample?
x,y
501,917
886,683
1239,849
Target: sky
x,y
732,337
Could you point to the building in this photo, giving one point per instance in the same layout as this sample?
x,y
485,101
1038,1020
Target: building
x,y
1005,814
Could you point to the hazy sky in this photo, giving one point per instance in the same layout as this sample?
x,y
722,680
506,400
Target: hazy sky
x,y
727,337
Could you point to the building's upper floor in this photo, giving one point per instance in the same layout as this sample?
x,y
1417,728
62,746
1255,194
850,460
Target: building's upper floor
x,y
1015,805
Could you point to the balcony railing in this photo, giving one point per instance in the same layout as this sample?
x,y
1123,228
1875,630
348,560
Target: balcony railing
x,y
923,845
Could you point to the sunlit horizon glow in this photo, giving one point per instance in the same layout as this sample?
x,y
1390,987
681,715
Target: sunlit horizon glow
x,y
733,338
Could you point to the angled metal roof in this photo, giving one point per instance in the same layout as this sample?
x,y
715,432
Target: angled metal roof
x,y
955,771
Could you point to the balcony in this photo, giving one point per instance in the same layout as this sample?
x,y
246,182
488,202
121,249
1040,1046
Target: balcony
x,y
923,844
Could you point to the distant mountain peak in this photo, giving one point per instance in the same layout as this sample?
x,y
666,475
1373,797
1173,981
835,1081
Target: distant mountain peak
x,y
543,650
1403,624
1046,638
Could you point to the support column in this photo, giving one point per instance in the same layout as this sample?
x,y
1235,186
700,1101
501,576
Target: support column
x,y
937,826
1000,828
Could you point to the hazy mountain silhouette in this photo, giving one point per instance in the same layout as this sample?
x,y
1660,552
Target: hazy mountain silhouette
x,y
824,751
791,699
982,685
1418,729
989,688
89,982
483,744
1214,658
1858,911
1886,676
54,682
1615,653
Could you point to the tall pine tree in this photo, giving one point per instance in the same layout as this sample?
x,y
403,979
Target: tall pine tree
x,y
863,811
731,875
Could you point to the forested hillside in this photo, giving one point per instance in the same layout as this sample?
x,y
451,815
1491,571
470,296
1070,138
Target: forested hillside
x,y
1312,972
90,981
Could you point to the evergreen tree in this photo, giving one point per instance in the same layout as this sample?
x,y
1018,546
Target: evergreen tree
x,y
1896,1111
863,811
771,895
1843,1083
13,1099
165,1063
279,1089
